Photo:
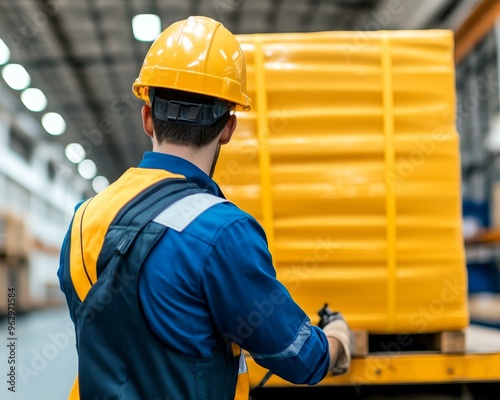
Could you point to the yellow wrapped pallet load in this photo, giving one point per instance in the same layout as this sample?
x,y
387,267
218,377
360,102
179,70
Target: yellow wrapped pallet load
x,y
350,161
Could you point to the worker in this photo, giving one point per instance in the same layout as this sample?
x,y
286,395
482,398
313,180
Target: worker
x,y
166,281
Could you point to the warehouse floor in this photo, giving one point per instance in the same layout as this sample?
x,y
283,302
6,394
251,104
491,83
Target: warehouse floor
x,y
45,356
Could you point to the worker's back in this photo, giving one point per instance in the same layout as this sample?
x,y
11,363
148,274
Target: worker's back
x,y
112,331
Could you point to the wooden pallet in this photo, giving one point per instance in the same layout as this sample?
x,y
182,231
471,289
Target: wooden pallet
x,y
446,342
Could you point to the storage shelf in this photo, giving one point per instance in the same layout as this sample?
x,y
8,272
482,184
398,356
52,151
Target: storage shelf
x,y
489,236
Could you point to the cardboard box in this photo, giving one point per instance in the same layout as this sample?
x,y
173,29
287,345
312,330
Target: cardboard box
x,y
14,239
15,275
4,286
20,280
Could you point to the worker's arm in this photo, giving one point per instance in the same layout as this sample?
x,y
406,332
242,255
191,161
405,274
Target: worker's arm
x,y
60,271
62,256
336,352
65,243
253,309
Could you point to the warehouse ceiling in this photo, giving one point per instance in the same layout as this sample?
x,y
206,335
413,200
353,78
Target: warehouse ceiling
x,y
83,56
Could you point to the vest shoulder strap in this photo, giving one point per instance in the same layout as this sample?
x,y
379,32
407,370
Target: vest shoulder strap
x,y
141,210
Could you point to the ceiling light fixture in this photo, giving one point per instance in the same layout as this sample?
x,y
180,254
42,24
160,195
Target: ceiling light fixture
x,y
75,152
87,169
99,183
53,123
146,27
4,53
16,76
34,99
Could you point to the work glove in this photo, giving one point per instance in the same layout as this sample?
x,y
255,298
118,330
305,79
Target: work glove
x,y
334,326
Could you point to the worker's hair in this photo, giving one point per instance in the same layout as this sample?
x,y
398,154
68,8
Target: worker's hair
x,y
192,136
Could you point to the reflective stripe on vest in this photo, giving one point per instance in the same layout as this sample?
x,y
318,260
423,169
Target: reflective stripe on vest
x,y
184,211
243,382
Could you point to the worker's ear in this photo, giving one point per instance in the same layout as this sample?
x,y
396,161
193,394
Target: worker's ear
x,y
228,130
147,120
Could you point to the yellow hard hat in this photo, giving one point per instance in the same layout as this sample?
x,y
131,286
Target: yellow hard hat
x,y
196,55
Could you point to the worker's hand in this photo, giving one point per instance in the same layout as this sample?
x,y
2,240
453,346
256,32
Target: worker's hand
x,y
335,326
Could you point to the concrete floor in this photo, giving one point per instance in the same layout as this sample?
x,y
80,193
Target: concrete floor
x,y
45,356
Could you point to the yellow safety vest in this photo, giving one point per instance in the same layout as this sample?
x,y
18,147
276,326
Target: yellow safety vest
x,y
133,184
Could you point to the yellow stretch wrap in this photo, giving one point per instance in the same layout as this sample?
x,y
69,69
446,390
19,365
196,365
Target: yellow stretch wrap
x,y
350,160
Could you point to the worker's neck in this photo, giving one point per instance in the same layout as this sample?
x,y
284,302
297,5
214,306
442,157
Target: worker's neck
x,y
202,158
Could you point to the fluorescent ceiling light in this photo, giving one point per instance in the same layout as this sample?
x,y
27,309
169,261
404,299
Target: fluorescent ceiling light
x,y
16,76
54,123
75,153
146,27
34,99
99,183
4,53
493,138
87,169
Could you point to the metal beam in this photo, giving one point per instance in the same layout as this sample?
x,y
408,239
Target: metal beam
x,y
393,367
44,61
475,27
308,15
234,17
272,16
113,79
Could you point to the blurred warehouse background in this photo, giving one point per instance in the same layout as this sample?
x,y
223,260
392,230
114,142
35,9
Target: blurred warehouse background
x,y
70,125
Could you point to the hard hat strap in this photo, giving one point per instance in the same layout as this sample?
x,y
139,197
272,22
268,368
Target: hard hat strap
x,y
186,113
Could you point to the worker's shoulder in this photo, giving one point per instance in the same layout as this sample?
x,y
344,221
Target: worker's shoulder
x,y
224,216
